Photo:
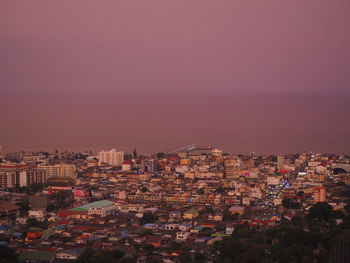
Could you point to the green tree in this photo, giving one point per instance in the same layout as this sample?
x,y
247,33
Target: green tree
x,y
200,191
118,254
185,257
161,155
100,256
86,256
24,206
300,193
7,255
103,256
244,231
251,255
144,189
33,222
199,257
148,217
228,216
149,248
153,259
229,249
347,206
290,204
321,211
146,232
220,189
134,154
286,202
127,260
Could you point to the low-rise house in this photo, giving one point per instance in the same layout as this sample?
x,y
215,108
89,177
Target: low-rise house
x,y
151,226
175,215
196,229
216,217
69,254
153,240
191,214
5,229
21,220
170,226
182,235
39,214
34,233
8,208
101,211
229,229
237,209
184,227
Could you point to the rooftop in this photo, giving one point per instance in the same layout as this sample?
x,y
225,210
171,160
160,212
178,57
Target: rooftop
x,y
103,203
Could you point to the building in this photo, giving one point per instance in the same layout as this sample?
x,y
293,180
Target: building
x,y
216,153
232,168
280,162
191,214
111,157
149,165
319,194
68,170
69,254
50,170
1,152
39,214
84,211
16,175
8,208
182,235
273,180
8,179
102,209
35,176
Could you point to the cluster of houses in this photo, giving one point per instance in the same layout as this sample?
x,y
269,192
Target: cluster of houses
x,y
166,204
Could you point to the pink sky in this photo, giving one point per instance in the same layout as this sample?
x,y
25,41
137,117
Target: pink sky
x,y
59,57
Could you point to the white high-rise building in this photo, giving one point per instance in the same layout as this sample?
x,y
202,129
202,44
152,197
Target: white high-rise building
x,y
111,157
58,170
50,170
280,162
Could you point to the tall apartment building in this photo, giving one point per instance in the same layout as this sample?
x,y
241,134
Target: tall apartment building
x,y
280,162
111,157
67,170
35,176
319,194
58,170
11,175
216,153
232,167
8,179
19,176
50,170
1,152
149,165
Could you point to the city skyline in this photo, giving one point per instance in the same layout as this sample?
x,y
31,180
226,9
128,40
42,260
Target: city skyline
x,y
156,131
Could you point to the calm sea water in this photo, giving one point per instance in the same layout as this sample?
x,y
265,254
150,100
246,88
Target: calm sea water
x,y
154,122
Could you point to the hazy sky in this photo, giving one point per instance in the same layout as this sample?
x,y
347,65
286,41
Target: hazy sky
x,y
250,75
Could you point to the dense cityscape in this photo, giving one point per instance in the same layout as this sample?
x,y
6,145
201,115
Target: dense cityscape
x,y
193,204
174,131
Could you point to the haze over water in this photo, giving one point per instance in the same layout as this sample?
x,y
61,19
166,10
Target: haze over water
x,y
237,123
243,76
